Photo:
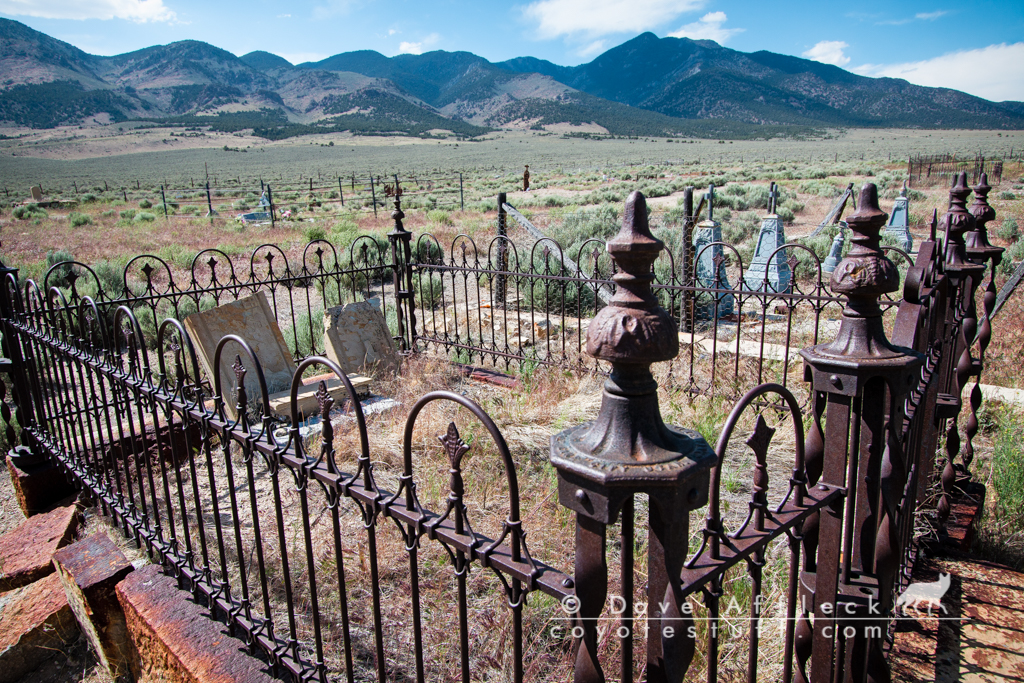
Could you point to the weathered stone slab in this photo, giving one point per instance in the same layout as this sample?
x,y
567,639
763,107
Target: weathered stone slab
x,y
37,623
174,638
89,571
253,320
280,403
38,484
704,234
899,221
37,193
768,270
357,338
26,552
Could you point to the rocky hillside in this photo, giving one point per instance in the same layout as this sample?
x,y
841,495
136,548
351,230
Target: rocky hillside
x,y
646,86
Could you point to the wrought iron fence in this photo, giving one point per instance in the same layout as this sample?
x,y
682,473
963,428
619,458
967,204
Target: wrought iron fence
x,y
233,507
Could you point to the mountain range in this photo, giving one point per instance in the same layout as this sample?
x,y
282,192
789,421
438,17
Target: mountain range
x,y
646,86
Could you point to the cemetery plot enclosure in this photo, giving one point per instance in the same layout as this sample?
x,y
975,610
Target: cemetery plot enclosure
x,y
332,568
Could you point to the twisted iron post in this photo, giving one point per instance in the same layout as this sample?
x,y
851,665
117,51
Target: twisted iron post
x,y
981,251
628,450
853,548
961,319
401,265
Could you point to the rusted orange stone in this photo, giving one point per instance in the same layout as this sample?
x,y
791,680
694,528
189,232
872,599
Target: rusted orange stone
x,y
37,623
38,487
90,570
26,552
175,639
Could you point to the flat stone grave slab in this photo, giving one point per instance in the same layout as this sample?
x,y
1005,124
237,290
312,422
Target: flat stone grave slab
x,y
357,338
280,403
26,552
37,623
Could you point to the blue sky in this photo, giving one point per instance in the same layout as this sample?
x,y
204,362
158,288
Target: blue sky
x,y
977,47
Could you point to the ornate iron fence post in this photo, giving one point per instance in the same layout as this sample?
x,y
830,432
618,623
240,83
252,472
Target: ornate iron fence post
x,y
401,264
853,548
961,321
979,250
12,350
627,450
500,283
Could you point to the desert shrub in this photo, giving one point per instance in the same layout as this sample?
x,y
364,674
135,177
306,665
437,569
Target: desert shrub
x,y
1014,255
191,210
59,277
145,204
1008,196
580,225
785,213
88,197
109,213
820,188
128,214
77,220
1008,230
29,212
314,232
1008,471
143,217
428,288
440,217
742,229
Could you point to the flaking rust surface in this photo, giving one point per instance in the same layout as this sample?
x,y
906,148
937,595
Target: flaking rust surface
x,y
26,552
175,640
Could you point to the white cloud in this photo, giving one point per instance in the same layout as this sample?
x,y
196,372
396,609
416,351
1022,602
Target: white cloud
x,y
284,16
708,27
594,48
995,72
931,16
139,11
418,48
595,18
392,32
829,52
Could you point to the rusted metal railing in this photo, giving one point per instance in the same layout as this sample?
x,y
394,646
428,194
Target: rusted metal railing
x,y
265,524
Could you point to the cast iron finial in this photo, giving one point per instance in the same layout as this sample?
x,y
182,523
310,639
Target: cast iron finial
x,y
863,276
634,329
977,239
957,221
631,333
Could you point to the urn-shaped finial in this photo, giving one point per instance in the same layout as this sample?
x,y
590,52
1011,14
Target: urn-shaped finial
x,y
977,239
863,276
956,221
633,328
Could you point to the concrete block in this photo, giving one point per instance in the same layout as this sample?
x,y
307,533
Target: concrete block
x,y
38,483
89,571
253,320
37,623
26,552
357,338
175,639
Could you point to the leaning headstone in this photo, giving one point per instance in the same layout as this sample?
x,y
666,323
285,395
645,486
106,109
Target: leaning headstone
x,y
253,320
705,233
769,270
357,338
37,193
835,254
899,221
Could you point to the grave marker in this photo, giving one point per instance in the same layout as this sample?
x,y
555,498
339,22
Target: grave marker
x,y
899,221
357,338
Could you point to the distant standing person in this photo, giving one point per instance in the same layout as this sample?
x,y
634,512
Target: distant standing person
x,y
526,179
